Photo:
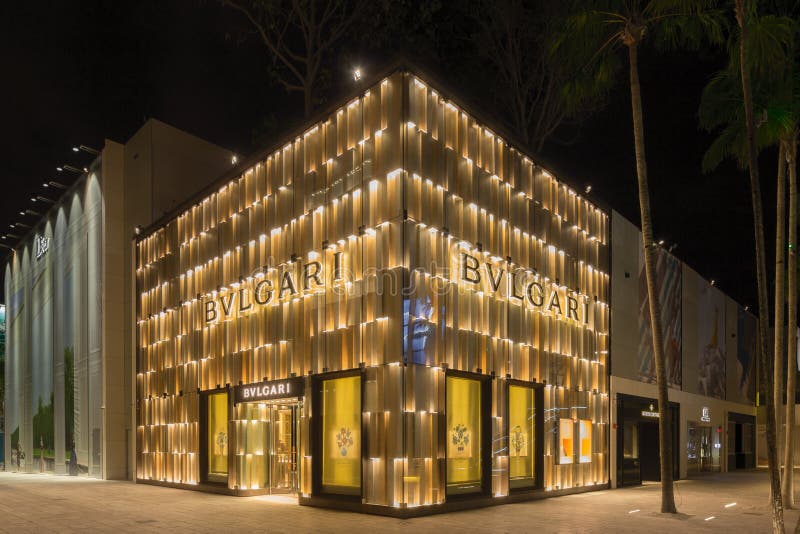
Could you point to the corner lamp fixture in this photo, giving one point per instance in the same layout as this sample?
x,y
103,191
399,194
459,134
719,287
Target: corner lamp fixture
x,y
357,74
588,188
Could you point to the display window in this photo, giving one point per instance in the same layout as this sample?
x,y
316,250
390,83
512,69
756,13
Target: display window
x,y
585,434
217,437
522,436
566,449
341,435
464,468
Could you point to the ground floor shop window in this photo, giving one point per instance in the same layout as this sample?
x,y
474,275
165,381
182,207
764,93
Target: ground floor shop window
x,y
464,469
522,436
566,441
585,435
702,448
217,437
341,435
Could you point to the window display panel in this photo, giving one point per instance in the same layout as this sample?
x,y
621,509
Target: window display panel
x,y
566,427
463,435
341,435
521,436
585,426
218,437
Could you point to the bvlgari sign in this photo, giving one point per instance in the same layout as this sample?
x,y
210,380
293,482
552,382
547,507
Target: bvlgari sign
x,y
268,284
275,389
524,286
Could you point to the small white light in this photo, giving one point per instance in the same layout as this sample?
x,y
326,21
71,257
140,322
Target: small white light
x,y
660,242
633,511
357,74
234,159
59,169
588,189
709,518
411,125
730,504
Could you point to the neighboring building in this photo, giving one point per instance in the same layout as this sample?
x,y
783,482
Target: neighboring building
x,y
393,311
710,351
69,369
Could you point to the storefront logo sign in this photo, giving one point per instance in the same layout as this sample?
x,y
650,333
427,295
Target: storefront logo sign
x,y
243,298
42,245
650,412
276,389
522,285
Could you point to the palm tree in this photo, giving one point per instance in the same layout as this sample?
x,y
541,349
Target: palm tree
x,y
724,107
787,485
743,16
627,24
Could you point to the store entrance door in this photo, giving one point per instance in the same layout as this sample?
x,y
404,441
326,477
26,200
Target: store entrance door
x,y
284,423
651,455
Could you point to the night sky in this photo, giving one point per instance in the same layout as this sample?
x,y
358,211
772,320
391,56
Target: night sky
x,y
79,72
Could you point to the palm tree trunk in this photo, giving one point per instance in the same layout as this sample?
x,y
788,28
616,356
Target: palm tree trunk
x,y
664,422
791,354
761,276
780,290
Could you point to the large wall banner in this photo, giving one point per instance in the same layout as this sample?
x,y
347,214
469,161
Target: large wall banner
x,y
746,348
668,285
710,342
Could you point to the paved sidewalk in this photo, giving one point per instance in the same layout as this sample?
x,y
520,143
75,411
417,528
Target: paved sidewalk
x,y
46,503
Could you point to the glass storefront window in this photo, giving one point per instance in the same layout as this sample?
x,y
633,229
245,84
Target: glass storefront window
x,y
463,435
341,435
521,436
566,428
585,426
218,437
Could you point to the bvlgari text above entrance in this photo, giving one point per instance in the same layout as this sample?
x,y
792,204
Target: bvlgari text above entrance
x,y
275,389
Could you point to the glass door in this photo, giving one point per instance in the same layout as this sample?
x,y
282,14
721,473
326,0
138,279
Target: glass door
x,y
283,448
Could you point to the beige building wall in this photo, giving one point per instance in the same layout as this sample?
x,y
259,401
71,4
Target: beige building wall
x,y
75,298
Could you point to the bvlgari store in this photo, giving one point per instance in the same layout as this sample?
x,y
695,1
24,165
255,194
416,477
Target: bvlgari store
x,y
395,312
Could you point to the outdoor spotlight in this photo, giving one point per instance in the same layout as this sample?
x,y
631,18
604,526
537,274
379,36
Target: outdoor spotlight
x,y
138,229
22,213
45,184
661,242
33,199
87,149
53,183
75,149
713,282
43,199
70,168
234,159
588,188
357,74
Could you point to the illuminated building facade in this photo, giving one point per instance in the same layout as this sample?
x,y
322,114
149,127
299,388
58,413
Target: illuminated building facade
x,y
395,311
